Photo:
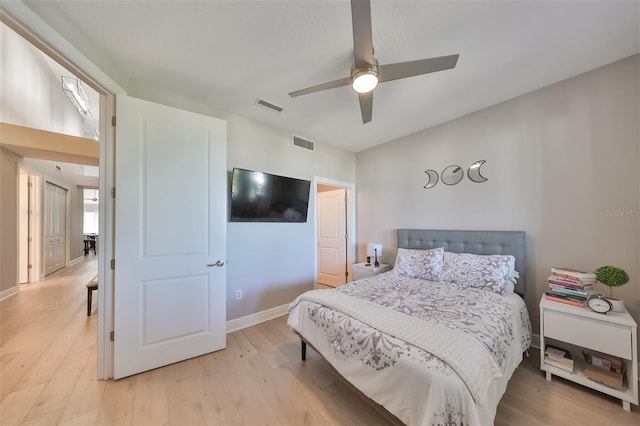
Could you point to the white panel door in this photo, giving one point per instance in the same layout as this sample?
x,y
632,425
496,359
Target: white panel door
x,y
60,237
55,213
332,237
49,236
170,238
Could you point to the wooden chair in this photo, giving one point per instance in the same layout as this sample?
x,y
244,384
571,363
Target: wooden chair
x,y
91,286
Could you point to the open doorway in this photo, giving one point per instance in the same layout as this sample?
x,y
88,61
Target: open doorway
x,y
335,240
41,123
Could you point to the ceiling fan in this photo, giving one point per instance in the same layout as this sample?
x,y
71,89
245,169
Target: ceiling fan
x,y
366,73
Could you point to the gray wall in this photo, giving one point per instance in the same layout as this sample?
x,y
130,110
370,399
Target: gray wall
x,y
562,164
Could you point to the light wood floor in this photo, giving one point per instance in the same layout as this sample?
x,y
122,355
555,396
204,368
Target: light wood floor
x,y
48,377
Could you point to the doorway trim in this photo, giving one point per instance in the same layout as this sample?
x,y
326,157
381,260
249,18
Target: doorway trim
x,y
34,225
351,250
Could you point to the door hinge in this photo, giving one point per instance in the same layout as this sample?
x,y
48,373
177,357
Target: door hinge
x,y
29,266
113,264
113,192
346,274
112,336
113,121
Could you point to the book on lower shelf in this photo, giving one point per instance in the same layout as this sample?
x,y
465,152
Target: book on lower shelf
x,y
558,358
602,368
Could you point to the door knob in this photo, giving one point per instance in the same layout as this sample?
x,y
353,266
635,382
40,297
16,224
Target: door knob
x,y
218,263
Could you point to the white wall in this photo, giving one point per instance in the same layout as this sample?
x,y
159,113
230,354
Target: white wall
x,y
32,95
562,164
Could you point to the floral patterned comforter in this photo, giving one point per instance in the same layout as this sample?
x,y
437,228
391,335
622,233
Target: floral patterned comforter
x,y
410,382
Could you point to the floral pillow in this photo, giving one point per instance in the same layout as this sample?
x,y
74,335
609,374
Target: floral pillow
x,y
495,273
424,264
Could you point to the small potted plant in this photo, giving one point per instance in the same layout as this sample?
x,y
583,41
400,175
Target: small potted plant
x,y
613,276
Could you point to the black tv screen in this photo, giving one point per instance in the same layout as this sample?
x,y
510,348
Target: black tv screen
x,y
263,197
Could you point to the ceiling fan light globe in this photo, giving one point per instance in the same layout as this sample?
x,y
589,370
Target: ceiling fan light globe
x,y
365,81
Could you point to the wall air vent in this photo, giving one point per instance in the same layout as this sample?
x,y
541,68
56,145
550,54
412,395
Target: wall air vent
x,y
269,105
302,143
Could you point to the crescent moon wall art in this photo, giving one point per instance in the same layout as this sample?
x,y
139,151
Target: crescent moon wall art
x,y
474,172
433,178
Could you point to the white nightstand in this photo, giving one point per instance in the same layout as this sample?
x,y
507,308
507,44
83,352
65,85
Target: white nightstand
x,y
360,270
573,328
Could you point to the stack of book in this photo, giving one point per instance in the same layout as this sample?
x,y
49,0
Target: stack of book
x,y
558,358
570,286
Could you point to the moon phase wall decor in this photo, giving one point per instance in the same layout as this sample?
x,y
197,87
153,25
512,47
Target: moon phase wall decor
x,y
453,174
474,172
433,178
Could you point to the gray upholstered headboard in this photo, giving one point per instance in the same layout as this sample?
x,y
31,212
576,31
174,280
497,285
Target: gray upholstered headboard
x,y
477,242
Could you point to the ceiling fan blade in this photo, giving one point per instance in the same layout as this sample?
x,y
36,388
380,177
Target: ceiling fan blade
x,y
366,106
320,87
362,35
391,72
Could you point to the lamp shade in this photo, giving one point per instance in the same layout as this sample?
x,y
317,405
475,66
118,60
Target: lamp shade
x,y
373,249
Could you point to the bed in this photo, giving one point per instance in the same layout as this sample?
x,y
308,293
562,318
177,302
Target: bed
x,y
436,339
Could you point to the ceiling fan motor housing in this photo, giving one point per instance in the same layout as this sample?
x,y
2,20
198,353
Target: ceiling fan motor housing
x,y
364,80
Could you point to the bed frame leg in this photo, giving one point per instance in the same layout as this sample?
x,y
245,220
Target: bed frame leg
x,y
303,349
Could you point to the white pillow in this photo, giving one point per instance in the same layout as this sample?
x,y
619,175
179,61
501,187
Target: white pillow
x,y
495,273
424,264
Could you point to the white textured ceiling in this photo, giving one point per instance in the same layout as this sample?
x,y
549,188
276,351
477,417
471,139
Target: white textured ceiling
x,y
229,53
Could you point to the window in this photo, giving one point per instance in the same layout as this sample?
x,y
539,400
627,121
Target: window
x,y
90,219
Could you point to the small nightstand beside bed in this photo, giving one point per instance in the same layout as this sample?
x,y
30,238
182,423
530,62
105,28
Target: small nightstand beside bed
x,y
435,340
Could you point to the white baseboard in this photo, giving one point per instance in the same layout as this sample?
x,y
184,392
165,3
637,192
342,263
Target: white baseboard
x,y
8,292
257,318
76,260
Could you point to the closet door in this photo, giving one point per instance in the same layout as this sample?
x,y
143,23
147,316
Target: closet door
x,y
54,235
60,237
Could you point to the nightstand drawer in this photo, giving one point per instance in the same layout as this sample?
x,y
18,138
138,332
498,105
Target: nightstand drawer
x,y
588,333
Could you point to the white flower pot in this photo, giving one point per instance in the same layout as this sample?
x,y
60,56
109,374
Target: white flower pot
x,y
618,305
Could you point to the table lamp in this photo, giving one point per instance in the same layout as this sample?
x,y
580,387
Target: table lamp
x,y
373,250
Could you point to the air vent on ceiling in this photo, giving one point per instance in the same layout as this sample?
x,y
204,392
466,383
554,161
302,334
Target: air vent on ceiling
x,y
269,105
302,143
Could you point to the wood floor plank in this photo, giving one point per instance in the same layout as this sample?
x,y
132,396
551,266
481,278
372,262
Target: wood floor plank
x,y
151,405
184,392
229,373
16,405
116,405
84,402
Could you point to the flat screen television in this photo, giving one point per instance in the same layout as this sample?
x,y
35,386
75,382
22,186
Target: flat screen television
x,y
263,197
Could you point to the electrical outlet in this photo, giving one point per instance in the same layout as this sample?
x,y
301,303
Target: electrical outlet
x,y
238,294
